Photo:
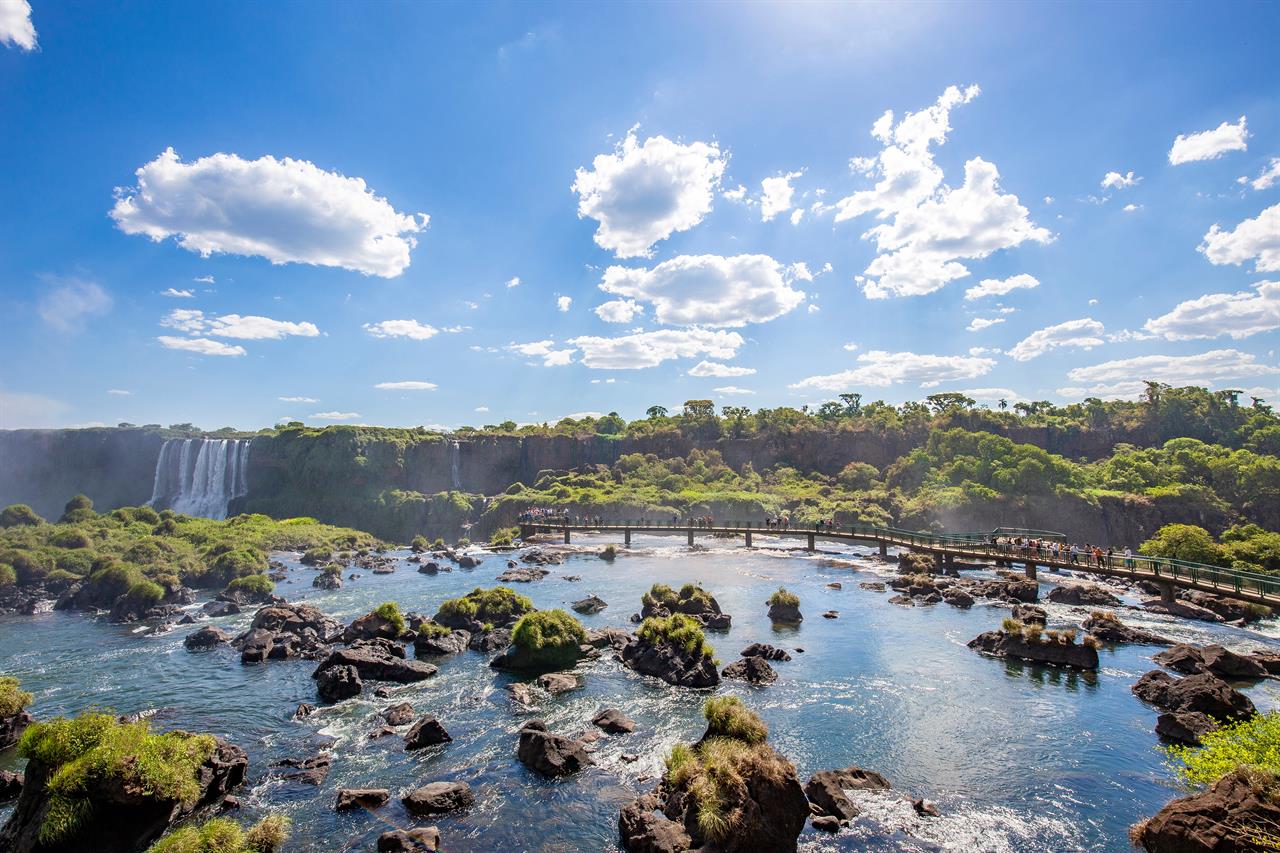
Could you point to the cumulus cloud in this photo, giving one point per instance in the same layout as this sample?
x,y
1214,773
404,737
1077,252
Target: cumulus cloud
x,y
1085,333
1117,181
1249,312
1124,377
1132,208
287,211
297,399
68,303
733,390
563,303
641,194
1000,287
776,194
335,416
178,294
200,346
619,310
514,281
410,385
927,227
401,329
1267,177
738,193
977,324
649,349
718,370
545,350
1255,239
1209,144
881,368
248,328
991,395
16,28
708,290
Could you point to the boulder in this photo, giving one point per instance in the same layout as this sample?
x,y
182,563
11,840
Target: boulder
x,y
616,638
398,715
1224,819
1082,595
1186,727
755,670
1219,660
303,710
1181,608
614,722
1229,609
490,641
206,638
643,829
439,798
283,631
361,798
925,808
957,598
1202,692
467,561
872,586
825,823
786,613
10,785
428,644
336,683
825,790
550,754
369,627
216,609
522,694
903,601
327,580
1269,660
377,660
672,663
1030,614
308,771
423,839
556,683
429,568
1009,645
589,605
766,651
523,575
1108,628
426,732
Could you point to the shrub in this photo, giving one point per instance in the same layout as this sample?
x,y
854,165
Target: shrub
x,y
548,630
1011,626
727,716
389,611
110,582
224,835
419,544
19,515
676,629
432,629
609,554
332,569
29,566
1031,633
78,509
71,538
8,577
257,585
437,544
1252,743
505,537
234,562
94,747
1069,636
316,556
1091,641
141,597
498,606
464,542
13,698
660,595
782,598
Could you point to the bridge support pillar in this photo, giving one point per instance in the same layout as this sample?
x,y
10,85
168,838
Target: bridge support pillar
x,y
1031,571
938,562
748,538
1166,592
525,531
626,537
566,536
690,537
812,544
884,548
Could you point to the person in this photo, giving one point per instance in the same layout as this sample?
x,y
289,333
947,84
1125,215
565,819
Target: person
x,y
1075,555
1128,558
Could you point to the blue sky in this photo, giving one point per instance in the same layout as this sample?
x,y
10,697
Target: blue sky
x,y
346,192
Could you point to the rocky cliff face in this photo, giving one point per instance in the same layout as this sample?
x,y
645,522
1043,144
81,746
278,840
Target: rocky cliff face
x,y
43,468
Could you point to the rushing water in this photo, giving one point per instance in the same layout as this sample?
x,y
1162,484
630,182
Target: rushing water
x,y
200,476
1019,758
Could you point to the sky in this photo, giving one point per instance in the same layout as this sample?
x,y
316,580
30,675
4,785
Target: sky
x,y
238,214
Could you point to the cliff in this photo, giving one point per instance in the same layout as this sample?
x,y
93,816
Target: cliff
x,y
45,467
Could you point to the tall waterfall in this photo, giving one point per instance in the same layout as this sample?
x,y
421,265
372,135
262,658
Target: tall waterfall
x,y
455,451
200,476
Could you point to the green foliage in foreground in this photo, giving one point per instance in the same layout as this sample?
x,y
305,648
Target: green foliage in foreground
x,y
13,698
389,611
95,746
1252,743
224,835
498,606
548,630
678,630
1245,547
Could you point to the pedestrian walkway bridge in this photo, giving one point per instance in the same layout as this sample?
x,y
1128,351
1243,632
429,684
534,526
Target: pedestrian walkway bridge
x,y
947,548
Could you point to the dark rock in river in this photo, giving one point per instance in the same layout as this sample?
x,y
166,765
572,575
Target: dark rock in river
x,y
490,641
308,771
10,785
12,727
556,683
766,651
643,830
670,662
1229,609
423,839
1030,614
617,639
1181,608
361,798
207,637
439,798
1108,628
377,660
1007,645
426,732
523,575
1224,819
216,609
872,586
430,643
755,670
786,613
303,710
957,598
1082,595
336,683
370,626
825,790
614,722
282,631
1215,659
1202,692
590,604
398,715
467,561
550,754
327,580
1186,727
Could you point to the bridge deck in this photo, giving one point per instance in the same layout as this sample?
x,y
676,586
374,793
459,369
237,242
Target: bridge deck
x,y
1245,586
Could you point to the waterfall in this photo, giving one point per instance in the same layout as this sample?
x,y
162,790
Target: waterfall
x,y
455,451
200,476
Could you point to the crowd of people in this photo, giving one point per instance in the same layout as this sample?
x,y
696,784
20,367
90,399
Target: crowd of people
x,y
1052,549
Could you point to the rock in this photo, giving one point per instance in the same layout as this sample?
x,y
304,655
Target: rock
x,y
616,639
1082,595
398,715
831,614
10,785
825,790
304,710
206,638
957,598
571,578
1269,660
377,660
523,694
766,651
550,754
590,604
558,682
369,627
327,580
1108,628
361,798
614,722
1201,692
308,771
426,732
835,585
872,586
467,561
490,641
429,568
381,732
538,557
523,575
283,631
924,808
826,823
786,613
423,839
1223,819
1030,614
1216,659
1007,645
916,563
1228,608
672,663
1181,608
427,644
643,830
755,670
1186,727
439,798
903,601
338,682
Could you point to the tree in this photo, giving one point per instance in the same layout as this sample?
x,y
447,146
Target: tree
x,y
1183,542
699,409
610,424
852,403
655,412
1003,404
830,410
949,400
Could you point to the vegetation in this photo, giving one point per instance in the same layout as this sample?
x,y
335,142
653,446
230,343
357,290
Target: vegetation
x,y
498,606
1252,743
260,586
728,717
389,612
19,515
96,746
677,630
505,537
13,699
548,630
224,835
1245,547
690,599
782,598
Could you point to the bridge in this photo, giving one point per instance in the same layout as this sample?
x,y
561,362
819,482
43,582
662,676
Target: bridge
x,y
947,548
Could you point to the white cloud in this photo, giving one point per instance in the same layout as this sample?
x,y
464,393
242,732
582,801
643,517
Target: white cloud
x,y
410,385
1255,239
1132,208
850,346
928,228
1267,177
609,381
1085,332
708,290
641,194
287,211
335,416
119,392
248,328
1124,377
1117,181
204,279
545,350
202,346
797,215
977,324
189,320
649,349
718,370
514,281
738,193
401,329
454,330
880,368
733,390
297,399
563,303
19,410
482,409
1000,287
178,294
991,395
619,310
68,303
16,28
776,194
1209,144
1236,314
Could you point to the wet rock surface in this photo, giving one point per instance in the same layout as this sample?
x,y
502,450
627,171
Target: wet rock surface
x,y
439,798
1007,645
550,754
1203,692
1226,817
